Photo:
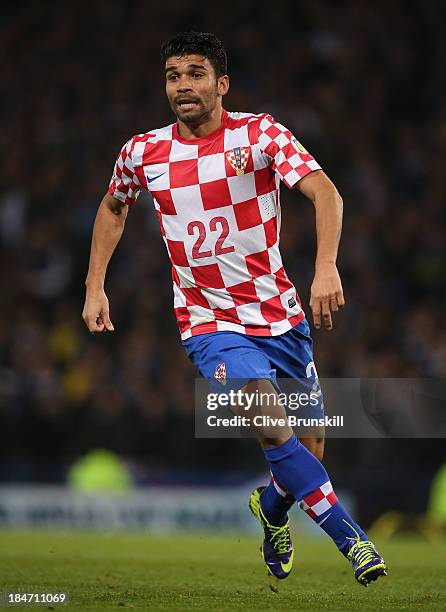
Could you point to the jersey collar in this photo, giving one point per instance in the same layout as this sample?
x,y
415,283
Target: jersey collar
x,y
209,137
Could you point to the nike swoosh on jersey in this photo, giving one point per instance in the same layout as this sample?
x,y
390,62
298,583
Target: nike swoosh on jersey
x,y
150,180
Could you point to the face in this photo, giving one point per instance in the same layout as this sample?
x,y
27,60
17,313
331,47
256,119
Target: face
x,y
192,88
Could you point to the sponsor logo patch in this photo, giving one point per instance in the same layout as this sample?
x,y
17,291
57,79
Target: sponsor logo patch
x,y
298,146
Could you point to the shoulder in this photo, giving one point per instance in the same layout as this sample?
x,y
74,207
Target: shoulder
x,y
151,137
238,119
257,124
139,144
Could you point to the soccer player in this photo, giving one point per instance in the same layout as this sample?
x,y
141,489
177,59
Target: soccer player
x,y
214,177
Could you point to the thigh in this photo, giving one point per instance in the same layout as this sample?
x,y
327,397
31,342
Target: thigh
x,y
229,359
291,355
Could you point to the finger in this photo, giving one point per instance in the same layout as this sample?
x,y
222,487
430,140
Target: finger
x,y
340,299
334,304
95,324
108,324
326,314
91,323
94,327
100,324
316,310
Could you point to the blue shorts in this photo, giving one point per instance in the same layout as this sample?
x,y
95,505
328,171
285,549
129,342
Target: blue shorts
x,y
234,358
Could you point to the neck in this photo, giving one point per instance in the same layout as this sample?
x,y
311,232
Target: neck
x,y
212,123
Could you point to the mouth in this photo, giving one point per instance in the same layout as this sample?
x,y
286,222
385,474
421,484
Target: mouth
x,y
186,104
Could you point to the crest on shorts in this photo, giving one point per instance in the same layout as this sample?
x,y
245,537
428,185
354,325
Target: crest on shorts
x,y
220,373
238,159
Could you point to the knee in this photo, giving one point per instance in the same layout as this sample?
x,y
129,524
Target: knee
x,y
315,446
319,448
266,443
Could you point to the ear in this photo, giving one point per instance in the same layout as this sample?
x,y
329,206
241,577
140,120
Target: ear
x,y
223,85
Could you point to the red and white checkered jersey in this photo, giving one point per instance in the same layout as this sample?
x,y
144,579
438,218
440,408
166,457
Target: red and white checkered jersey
x,y
217,201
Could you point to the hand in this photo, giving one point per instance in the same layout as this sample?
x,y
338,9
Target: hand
x,y
327,295
96,311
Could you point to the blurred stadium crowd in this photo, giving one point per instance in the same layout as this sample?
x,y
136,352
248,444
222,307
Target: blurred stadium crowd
x,y
364,91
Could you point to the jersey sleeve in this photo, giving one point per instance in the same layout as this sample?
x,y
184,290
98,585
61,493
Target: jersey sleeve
x,y
289,158
124,184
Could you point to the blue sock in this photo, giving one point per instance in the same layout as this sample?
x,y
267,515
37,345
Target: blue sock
x,y
338,524
276,502
305,478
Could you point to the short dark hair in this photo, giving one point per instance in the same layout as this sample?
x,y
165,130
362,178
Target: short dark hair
x,y
197,43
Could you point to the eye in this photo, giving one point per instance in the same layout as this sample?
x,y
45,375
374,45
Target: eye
x,y
197,75
172,77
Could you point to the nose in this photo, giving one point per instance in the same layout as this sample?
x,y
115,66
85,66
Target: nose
x,y
184,84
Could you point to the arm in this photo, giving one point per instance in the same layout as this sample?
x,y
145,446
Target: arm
x,y
326,290
107,231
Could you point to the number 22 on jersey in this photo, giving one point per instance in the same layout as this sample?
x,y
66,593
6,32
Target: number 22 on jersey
x,y
215,224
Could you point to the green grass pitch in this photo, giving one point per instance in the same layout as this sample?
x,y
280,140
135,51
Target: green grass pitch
x,y
141,571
